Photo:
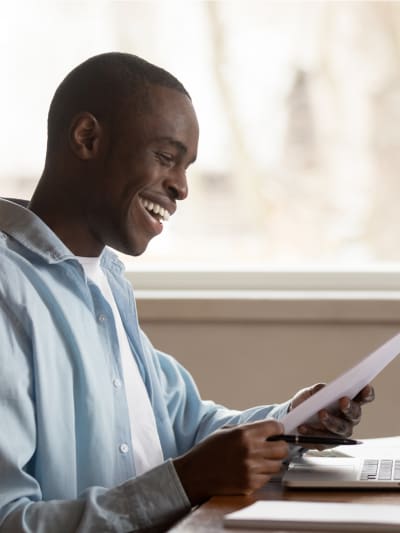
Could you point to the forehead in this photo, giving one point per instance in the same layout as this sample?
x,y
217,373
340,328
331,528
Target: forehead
x,y
165,113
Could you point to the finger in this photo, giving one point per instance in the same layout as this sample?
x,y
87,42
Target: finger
x,y
267,428
366,395
315,388
270,467
335,424
257,481
260,428
265,468
275,450
351,410
308,429
304,394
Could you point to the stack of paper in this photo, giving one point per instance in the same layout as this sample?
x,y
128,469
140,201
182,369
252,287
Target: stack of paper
x,y
311,516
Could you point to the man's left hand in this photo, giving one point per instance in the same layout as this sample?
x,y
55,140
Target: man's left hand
x,y
340,423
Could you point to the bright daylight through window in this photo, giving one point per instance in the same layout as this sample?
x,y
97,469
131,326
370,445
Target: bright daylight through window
x,y
298,104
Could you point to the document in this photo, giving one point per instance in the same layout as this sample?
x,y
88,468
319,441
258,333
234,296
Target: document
x,y
348,384
309,516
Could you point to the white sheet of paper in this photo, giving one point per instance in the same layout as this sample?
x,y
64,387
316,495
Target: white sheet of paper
x,y
348,384
312,515
379,448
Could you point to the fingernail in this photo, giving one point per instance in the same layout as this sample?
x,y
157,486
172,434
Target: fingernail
x,y
346,408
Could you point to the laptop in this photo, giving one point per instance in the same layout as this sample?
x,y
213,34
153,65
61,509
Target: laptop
x,y
343,473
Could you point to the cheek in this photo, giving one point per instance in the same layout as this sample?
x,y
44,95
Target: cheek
x,y
137,180
131,216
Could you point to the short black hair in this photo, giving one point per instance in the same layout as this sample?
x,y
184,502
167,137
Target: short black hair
x,y
100,85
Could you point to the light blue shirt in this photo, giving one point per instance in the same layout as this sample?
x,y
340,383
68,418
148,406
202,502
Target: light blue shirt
x,y
65,456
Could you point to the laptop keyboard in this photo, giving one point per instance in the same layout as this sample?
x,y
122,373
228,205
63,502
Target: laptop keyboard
x,y
380,470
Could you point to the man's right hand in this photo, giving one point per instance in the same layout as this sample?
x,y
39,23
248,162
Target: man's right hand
x,y
233,460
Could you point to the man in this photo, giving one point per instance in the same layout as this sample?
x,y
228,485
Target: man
x,y
101,432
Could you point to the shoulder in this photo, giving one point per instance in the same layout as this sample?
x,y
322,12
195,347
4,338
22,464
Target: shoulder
x,y
17,272
10,261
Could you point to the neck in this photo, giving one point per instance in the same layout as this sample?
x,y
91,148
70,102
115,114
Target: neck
x,y
57,203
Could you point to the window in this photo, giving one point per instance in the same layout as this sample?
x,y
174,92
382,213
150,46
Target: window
x,y
298,103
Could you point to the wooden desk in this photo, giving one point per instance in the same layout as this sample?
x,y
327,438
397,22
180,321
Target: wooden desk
x,y
208,517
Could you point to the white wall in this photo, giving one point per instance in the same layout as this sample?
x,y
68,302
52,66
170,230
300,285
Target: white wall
x,y
246,351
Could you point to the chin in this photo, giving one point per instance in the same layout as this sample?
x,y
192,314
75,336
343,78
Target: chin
x,y
134,249
130,244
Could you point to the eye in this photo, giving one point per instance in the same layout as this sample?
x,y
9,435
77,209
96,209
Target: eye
x,y
165,158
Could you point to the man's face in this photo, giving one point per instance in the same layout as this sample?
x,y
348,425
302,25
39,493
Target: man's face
x,y
144,172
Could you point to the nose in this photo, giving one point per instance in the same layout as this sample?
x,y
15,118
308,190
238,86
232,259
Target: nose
x,y
177,186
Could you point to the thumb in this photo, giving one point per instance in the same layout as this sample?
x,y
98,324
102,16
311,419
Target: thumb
x,y
304,394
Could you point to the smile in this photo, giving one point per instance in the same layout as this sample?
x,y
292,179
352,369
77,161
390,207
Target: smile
x,y
156,210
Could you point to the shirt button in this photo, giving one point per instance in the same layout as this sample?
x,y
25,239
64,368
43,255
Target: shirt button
x,y
101,318
124,448
117,383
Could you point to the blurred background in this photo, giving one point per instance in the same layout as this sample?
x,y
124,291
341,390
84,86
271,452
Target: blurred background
x,y
299,109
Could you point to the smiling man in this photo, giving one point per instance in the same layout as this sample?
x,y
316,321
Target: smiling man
x,y
101,431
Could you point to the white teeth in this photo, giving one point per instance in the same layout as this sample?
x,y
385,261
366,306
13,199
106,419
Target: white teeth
x,y
156,209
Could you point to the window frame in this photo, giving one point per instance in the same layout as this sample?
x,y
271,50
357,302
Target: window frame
x,y
234,279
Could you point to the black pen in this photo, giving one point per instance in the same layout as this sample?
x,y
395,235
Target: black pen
x,y
309,439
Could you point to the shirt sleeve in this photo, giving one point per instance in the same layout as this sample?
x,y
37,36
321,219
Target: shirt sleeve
x,y
125,508
193,419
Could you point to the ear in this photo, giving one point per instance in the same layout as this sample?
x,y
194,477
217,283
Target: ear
x,y
85,136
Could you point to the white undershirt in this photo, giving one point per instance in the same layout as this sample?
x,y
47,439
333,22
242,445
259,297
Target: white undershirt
x,y
146,445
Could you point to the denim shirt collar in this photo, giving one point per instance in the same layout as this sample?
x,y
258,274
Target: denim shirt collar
x,y
26,228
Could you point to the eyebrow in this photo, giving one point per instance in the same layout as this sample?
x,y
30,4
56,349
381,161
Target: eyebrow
x,y
178,144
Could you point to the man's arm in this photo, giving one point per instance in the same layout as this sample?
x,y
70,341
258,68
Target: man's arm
x,y
151,501
238,460
235,459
